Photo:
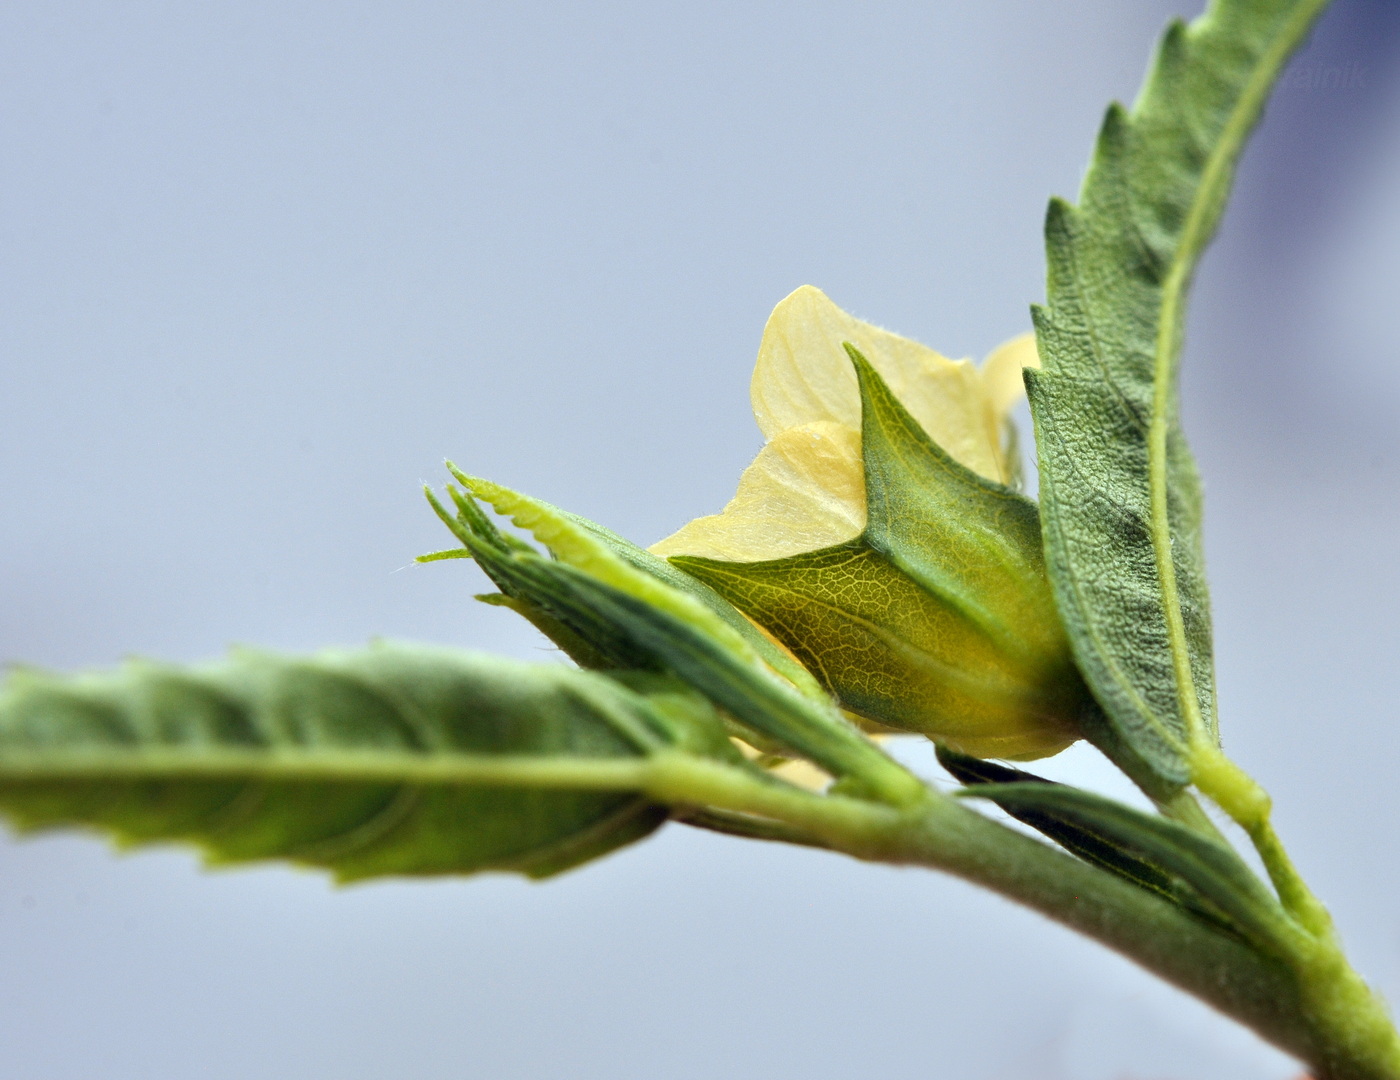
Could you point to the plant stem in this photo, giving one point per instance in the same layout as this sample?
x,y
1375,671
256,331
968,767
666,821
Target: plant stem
x,y
1249,805
1335,995
1310,1003
747,826
1305,998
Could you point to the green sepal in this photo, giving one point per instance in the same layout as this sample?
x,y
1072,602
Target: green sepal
x,y
1120,497
938,618
392,760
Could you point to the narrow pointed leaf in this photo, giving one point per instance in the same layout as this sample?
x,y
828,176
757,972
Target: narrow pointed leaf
x,y
389,760
1091,844
1212,871
1120,499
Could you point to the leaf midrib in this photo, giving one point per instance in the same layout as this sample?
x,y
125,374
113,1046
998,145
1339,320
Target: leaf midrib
x,y
337,766
1200,225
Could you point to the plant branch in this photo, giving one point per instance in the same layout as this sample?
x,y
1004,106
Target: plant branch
x,y
943,835
1310,1002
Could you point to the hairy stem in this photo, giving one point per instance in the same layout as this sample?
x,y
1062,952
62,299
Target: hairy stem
x,y
1249,805
1304,997
1310,1002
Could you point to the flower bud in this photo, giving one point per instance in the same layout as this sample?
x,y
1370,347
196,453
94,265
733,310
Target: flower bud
x,y
877,538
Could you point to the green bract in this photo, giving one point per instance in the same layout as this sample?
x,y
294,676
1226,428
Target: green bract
x,y
614,606
938,617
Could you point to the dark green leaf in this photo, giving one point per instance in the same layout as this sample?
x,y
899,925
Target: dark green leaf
x,y
1090,844
1128,841
1120,499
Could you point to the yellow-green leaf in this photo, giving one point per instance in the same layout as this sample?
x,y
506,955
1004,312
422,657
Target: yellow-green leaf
x,y
389,760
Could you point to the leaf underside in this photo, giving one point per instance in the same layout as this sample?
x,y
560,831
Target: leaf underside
x,y
1120,497
1154,853
364,763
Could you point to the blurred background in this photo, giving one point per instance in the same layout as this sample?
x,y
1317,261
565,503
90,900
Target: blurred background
x,y
265,265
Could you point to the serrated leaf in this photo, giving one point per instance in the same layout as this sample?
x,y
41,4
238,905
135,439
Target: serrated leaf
x,y
938,617
1120,498
389,760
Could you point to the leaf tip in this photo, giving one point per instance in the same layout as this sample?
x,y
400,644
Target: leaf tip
x,y
1060,218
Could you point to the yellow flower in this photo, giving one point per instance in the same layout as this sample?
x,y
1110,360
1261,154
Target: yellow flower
x,y
806,488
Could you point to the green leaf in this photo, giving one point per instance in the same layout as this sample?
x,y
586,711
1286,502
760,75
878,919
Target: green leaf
x,y
624,565
1120,498
1130,842
389,760
631,618
938,618
1091,844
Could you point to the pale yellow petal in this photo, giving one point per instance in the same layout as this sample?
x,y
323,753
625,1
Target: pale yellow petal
x,y
804,491
795,770
1004,388
803,376
1001,372
802,773
806,488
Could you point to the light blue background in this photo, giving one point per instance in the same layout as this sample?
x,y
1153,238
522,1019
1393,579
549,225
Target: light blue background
x,y
265,265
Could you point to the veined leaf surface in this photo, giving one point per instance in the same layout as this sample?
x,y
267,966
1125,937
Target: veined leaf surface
x,y
388,760
1120,498
937,618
